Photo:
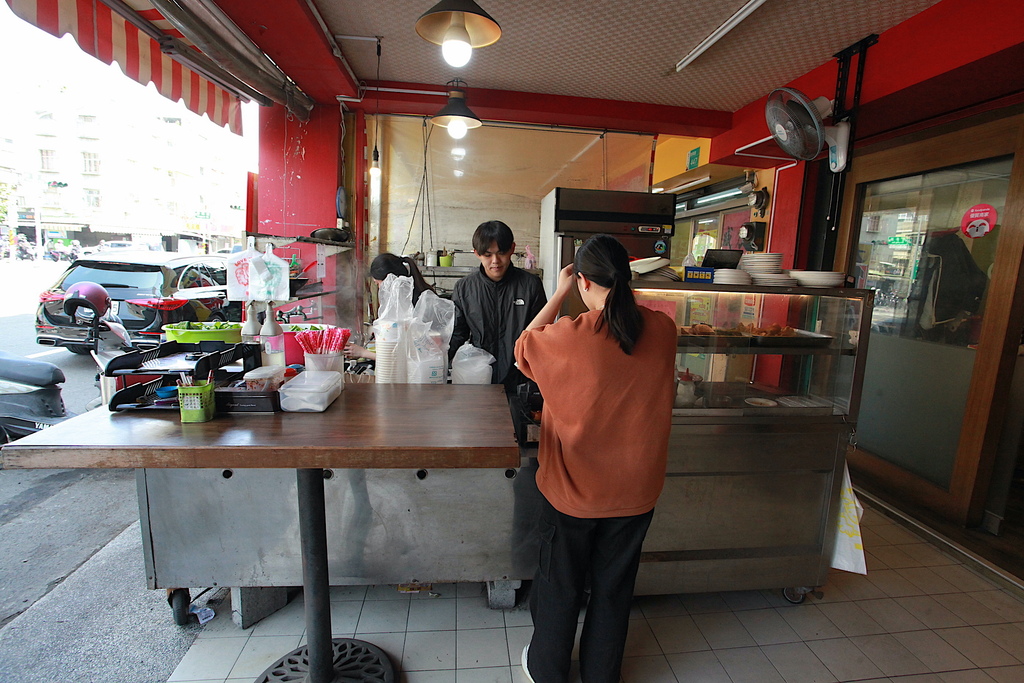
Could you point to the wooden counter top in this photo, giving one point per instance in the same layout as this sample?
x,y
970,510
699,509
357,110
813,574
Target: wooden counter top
x,y
368,426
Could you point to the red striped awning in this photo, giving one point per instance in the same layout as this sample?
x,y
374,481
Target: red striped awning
x,y
110,38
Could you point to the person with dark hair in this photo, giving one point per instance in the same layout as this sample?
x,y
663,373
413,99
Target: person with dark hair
x,y
608,381
388,264
494,304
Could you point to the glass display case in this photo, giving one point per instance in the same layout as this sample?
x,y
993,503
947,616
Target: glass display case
x,y
767,398
762,351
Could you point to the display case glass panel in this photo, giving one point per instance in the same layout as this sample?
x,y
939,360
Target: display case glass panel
x,y
762,350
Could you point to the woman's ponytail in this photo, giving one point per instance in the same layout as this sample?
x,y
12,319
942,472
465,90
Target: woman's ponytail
x,y
604,260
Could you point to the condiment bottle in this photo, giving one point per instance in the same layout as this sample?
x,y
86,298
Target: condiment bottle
x,y
272,339
251,328
686,393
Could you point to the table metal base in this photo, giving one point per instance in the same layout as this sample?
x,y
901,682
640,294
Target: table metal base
x,y
355,661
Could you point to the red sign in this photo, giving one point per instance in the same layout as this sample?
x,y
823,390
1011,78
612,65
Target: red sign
x,y
978,220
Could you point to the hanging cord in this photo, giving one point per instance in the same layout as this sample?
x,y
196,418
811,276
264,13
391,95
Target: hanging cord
x,y
423,194
376,115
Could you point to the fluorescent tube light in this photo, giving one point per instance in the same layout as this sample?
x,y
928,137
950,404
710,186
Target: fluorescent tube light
x,y
718,196
716,35
690,183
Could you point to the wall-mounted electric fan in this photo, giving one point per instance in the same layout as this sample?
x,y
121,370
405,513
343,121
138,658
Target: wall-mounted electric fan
x,y
795,121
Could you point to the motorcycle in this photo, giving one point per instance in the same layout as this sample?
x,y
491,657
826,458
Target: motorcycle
x,y
30,396
25,252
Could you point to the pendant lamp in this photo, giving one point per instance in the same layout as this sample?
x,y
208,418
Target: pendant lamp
x,y
458,26
456,116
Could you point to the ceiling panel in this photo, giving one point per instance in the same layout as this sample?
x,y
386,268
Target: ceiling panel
x,y
621,50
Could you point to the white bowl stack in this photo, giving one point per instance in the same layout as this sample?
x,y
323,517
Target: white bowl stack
x,y
766,269
731,276
816,278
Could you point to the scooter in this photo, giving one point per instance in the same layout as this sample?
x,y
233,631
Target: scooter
x,y
30,396
25,252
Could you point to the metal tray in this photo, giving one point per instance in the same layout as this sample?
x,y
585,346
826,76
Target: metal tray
x,y
801,338
715,340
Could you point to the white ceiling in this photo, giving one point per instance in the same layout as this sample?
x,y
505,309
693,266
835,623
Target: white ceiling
x,y
620,49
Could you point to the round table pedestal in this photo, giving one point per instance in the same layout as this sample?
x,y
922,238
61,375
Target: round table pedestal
x,y
354,661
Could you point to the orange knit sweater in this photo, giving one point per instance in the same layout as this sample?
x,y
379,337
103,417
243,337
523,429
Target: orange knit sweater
x,y
607,415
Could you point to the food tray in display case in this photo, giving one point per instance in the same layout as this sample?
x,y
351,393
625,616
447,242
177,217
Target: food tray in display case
x,y
798,338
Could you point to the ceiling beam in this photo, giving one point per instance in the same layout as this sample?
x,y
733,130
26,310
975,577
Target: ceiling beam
x,y
550,110
290,33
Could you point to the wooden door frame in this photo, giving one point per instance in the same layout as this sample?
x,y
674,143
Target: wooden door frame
x,y
963,503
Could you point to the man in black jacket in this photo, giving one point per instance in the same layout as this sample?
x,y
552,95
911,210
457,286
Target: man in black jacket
x,y
496,303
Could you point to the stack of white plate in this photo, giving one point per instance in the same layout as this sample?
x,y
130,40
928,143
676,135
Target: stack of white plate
x,y
731,276
815,278
761,263
663,273
774,280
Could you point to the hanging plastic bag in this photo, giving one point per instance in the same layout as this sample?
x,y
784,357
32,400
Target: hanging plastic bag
x,y
471,365
395,296
530,262
848,554
439,314
238,274
268,277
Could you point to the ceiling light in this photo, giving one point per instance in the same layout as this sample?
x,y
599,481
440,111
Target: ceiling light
x,y
375,165
459,173
458,153
456,116
691,183
458,26
716,35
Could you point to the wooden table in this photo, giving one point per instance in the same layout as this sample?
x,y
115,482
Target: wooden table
x,y
368,426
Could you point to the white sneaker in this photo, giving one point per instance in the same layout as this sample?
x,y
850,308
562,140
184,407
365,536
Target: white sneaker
x,y
526,670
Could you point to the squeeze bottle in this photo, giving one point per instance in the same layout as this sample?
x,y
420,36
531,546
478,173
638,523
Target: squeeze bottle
x,y
272,339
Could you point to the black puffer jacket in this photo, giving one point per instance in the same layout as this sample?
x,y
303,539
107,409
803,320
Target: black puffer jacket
x,y
491,315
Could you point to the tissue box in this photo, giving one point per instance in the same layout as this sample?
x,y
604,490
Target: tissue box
x,y
311,391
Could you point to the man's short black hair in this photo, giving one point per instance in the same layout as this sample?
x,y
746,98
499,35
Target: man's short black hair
x,y
490,232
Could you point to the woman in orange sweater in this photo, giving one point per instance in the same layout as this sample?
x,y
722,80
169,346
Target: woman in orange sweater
x,y
608,379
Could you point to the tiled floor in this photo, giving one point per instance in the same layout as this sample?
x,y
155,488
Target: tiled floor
x,y
919,616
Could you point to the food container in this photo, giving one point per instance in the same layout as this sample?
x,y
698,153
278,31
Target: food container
x,y
193,333
266,378
311,391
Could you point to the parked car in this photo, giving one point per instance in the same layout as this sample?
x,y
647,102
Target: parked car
x,y
147,290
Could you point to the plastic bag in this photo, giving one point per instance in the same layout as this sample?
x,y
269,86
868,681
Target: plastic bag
x,y
427,361
395,296
471,365
439,314
238,275
848,554
268,277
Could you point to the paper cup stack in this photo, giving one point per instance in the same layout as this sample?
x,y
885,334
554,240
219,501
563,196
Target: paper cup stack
x,y
815,278
385,367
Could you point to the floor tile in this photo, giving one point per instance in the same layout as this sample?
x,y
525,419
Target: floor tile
x,y
209,659
678,634
972,676
927,554
933,651
797,664
649,669
889,655
1008,674
965,606
654,606
482,648
518,617
698,666
473,613
429,651
930,612
744,600
344,617
348,593
290,620
892,584
857,586
702,603
722,630
429,676
893,557
488,675
470,590
966,579
517,638
927,580
767,627
259,653
383,616
748,665
896,534
432,615
385,592
844,659
851,619
1002,603
890,615
976,647
640,640
1006,636
810,623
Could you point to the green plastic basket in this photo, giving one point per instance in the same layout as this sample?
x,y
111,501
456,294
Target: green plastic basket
x,y
193,333
196,401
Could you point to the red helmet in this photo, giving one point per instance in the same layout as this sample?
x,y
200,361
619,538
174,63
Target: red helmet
x,y
86,295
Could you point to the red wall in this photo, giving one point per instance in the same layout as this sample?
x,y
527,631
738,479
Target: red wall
x,y
299,171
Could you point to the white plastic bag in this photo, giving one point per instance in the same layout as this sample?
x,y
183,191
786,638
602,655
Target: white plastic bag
x,y
427,360
268,277
395,296
238,275
439,314
471,365
848,554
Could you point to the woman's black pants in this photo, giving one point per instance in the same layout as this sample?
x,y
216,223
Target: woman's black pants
x,y
607,550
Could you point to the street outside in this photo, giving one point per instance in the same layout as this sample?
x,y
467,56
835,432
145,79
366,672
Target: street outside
x,y
73,601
